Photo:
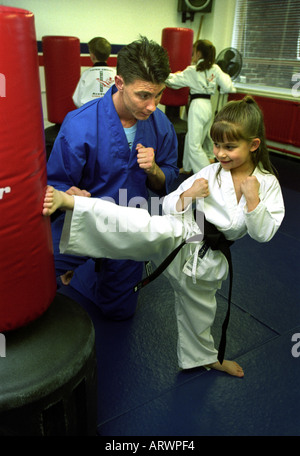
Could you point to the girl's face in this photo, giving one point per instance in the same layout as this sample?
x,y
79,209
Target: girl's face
x,y
236,155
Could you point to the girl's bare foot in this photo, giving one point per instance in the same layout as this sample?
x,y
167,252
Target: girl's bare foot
x,y
55,199
230,367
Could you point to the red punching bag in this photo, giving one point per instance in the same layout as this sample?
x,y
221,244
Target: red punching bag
x,y
62,73
178,42
27,275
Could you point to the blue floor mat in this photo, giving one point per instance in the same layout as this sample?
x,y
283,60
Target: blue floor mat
x,y
266,280
264,403
137,359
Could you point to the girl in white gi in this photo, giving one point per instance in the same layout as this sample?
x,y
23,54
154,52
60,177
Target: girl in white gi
x,y
239,195
202,77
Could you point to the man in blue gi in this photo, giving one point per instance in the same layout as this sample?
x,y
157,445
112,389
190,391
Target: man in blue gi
x,y
116,147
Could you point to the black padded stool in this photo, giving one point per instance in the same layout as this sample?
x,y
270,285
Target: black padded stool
x,y
50,137
48,379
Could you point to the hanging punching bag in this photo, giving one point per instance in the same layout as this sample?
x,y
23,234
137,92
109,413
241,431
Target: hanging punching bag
x,y
27,276
178,42
62,73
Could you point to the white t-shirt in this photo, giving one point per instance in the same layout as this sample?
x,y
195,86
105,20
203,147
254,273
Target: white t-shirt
x,y
130,134
93,83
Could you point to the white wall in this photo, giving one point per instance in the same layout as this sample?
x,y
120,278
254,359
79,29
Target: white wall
x,y
122,21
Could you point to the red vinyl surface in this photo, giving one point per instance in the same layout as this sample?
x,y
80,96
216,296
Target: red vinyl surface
x,y
27,277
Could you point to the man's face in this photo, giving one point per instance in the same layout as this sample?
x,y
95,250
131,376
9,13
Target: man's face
x,y
142,97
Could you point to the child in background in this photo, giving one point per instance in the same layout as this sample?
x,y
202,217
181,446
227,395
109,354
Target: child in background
x,y
240,195
95,81
202,77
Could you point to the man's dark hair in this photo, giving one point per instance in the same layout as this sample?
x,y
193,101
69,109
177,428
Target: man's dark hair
x,y
145,60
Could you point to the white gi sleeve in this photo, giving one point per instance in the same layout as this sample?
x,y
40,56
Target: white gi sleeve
x,y
170,200
224,80
77,95
264,221
182,79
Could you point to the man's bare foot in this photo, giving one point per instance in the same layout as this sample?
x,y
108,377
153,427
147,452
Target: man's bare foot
x,y
230,367
183,171
67,277
55,199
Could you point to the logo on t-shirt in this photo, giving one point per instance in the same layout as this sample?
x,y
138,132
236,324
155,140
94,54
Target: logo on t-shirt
x,y
106,83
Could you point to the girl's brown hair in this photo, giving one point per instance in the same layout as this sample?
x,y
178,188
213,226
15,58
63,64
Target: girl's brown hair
x,y
208,52
243,120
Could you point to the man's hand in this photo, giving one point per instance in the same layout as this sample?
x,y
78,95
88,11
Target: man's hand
x,y
76,191
146,159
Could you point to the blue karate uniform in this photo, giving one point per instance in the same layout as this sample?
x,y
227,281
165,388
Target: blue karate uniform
x,y
91,152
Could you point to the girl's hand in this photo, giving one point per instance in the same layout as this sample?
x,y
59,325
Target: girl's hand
x,y
250,189
199,189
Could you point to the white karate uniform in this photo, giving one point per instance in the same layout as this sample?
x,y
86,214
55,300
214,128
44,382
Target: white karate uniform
x,y
94,83
198,146
99,228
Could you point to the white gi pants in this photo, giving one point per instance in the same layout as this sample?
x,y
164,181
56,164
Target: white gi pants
x,y
101,229
198,146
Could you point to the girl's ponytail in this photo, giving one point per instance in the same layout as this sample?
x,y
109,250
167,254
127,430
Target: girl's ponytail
x,y
248,99
208,52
